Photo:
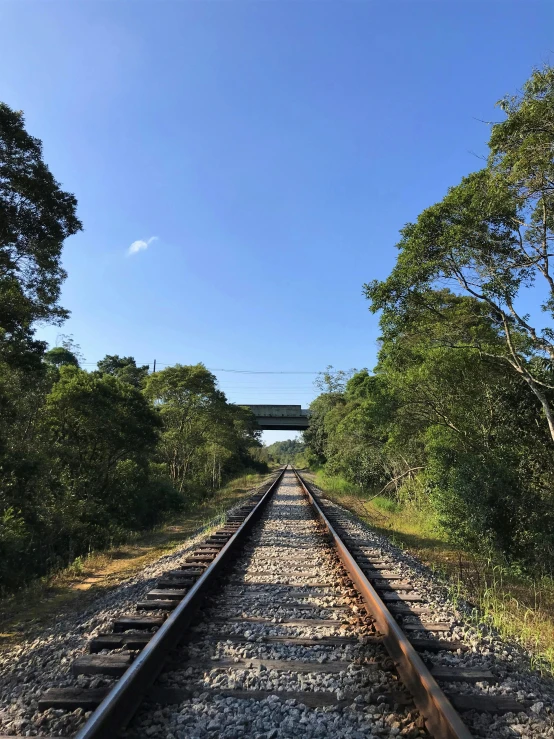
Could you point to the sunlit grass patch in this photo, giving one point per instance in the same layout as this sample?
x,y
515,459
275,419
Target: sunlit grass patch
x,y
335,484
385,504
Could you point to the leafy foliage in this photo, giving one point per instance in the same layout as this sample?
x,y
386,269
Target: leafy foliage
x,y
286,452
452,421
124,368
59,356
36,216
86,458
490,237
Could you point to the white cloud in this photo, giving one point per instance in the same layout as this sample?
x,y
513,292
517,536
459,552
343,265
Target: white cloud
x,y
140,245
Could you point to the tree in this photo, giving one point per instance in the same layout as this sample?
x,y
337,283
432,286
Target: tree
x,y
59,356
94,423
36,216
189,402
317,433
124,368
100,435
491,237
452,432
332,380
286,452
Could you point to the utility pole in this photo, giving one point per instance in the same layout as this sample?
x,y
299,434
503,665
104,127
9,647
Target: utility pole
x,y
154,367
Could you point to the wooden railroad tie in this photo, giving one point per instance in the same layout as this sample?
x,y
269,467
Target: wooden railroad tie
x,y
157,605
289,622
125,623
324,641
166,594
89,699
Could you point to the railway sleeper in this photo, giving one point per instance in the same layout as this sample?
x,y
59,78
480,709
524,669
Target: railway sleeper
x,y
89,699
124,640
237,602
375,574
289,622
187,571
71,698
157,605
174,582
126,623
324,641
437,645
426,626
404,609
113,665
378,564
462,675
397,597
167,594
385,586
194,558
486,703
284,584
297,666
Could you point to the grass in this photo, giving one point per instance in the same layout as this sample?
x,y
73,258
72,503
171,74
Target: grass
x,y
385,504
45,600
520,608
335,484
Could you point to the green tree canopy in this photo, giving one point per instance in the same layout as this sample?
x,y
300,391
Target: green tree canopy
x,y
124,368
490,237
95,422
59,356
36,216
189,403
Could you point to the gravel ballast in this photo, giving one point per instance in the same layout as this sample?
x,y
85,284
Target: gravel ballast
x,y
286,564
44,661
286,576
509,663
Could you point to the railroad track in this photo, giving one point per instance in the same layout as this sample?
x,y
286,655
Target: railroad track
x,y
284,622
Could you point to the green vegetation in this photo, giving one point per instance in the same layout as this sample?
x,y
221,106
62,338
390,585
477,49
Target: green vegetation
x,y
44,599
448,443
87,457
285,452
519,605
455,420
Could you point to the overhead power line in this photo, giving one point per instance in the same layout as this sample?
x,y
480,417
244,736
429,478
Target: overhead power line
x,y
236,371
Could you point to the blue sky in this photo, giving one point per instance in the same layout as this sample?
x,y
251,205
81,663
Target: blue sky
x,y
270,152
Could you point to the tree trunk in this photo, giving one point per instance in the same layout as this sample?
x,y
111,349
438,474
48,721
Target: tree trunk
x,y
544,402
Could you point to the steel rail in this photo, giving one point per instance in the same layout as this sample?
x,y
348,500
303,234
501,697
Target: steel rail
x,y
123,700
442,720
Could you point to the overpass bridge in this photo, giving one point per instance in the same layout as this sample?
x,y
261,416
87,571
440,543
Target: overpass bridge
x,y
281,417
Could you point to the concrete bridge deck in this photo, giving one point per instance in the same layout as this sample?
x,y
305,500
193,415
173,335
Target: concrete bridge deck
x,y
280,417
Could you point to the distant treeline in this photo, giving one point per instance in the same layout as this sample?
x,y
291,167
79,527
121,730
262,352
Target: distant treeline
x,y
285,452
457,418
86,457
